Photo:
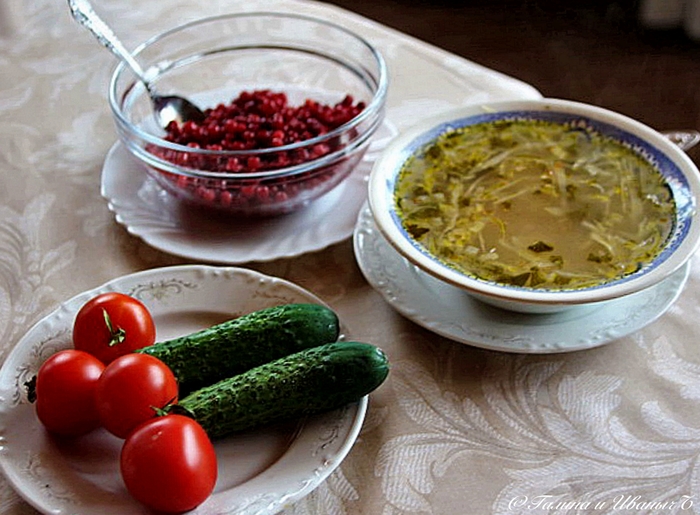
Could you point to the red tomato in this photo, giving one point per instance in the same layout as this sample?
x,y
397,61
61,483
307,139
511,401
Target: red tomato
x,y
65,392
130,391
169,464
111,325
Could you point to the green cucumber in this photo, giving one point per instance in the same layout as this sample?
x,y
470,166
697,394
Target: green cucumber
x,y
237,345
308,382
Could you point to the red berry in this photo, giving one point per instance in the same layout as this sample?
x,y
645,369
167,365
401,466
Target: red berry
x,y
256,120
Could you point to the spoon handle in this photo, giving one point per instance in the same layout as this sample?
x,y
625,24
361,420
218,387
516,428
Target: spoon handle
x,y
686,139
85,15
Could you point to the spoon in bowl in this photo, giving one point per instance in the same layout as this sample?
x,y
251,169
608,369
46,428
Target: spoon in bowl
x,y
685,139
167,108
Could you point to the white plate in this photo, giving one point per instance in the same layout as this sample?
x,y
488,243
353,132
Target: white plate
x,y
452,313
259,472
150,213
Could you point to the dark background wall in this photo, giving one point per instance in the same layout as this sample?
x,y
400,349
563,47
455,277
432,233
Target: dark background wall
x,y
593,51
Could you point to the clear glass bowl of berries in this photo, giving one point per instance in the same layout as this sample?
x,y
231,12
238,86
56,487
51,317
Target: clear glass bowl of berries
x,y
291,104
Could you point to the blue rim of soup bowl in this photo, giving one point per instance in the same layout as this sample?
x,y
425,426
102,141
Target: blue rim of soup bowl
x,y
680,173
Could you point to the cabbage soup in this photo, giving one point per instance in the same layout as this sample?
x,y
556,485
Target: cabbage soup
x,y
535,204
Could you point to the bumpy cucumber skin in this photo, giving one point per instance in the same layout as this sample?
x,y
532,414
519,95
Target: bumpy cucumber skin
x,y
237,345
305,383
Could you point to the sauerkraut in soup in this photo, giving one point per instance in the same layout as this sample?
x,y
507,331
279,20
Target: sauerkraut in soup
x,y
535,204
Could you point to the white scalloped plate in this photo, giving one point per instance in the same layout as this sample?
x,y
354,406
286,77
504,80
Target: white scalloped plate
x,y
454,314
259,472
150,213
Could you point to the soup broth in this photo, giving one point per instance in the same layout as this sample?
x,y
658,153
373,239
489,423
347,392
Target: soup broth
x,y
535,204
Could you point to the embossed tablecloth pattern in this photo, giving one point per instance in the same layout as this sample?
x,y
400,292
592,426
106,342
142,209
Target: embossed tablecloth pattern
x,y
455,429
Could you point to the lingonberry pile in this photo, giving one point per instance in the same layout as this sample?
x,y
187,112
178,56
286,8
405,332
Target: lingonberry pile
x,y
260,120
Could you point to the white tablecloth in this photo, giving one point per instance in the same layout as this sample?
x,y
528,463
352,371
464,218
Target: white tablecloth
x,y
455,429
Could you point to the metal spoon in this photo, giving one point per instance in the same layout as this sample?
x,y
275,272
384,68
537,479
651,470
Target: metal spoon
x,y
685,139
166,108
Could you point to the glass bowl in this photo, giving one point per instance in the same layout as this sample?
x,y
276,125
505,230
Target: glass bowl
x,y
679,174
214,60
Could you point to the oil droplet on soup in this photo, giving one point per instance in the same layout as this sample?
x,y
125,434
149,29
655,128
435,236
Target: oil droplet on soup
x,y
535,204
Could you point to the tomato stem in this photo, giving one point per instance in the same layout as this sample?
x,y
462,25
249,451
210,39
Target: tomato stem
x,y
116,334
161,412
